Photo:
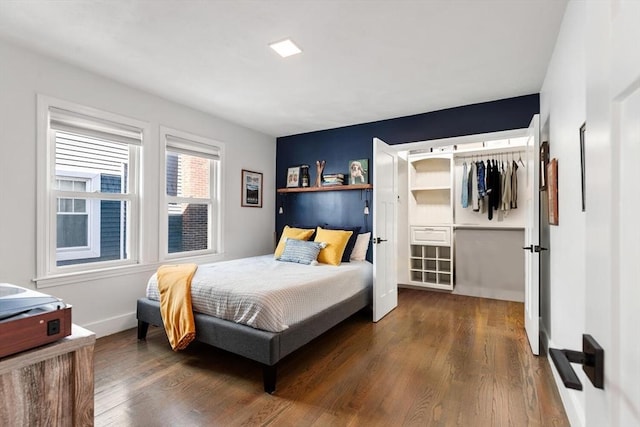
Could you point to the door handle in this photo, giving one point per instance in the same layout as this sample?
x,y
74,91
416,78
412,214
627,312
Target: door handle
x,y
591,358
378,240
535,248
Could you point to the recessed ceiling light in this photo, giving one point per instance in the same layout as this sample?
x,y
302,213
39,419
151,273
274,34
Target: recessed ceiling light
x,y
285,48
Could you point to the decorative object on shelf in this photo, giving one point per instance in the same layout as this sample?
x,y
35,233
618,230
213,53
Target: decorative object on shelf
x,y
544,161
251,189
304,174
293,176
552,181
359,171
582,163
330,179
319,168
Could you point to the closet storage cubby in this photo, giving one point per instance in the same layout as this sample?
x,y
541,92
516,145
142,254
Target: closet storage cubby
x,y
430,219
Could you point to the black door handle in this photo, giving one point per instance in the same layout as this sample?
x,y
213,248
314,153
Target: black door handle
x,y
535,248
591,358
378,240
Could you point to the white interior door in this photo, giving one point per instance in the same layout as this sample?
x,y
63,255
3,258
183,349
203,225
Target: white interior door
x,y
612,151
385,189
532,238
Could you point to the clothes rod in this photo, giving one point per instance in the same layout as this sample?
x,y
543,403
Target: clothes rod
x,y
482,155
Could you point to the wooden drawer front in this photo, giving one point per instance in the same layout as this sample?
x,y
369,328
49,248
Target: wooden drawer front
x,y
439,236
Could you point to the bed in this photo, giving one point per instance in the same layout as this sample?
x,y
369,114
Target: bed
x,y
264,309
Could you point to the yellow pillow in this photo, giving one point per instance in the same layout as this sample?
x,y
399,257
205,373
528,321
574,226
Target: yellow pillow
x,y
336,241
292,233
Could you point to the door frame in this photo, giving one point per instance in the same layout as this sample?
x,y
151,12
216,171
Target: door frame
x,y
427,145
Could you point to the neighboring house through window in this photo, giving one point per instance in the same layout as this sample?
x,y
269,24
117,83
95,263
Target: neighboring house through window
x,y
88,188
192,194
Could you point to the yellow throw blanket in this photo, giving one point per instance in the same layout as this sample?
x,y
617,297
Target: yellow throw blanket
x,y
174,284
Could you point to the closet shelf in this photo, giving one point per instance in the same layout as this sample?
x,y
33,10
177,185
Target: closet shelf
x,y
330,188
432,188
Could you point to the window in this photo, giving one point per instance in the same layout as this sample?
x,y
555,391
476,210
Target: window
x,y
88,191
77,219
192,194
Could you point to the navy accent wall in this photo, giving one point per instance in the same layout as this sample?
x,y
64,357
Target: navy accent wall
x,y
338,146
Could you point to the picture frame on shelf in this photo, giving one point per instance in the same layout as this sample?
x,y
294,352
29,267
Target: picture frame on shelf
x,y
251,196
359,171
293,177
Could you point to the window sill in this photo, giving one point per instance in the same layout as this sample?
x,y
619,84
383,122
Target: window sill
x,y
64,279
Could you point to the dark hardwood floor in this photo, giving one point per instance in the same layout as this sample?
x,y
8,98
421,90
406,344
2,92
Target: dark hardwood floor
x,y
436,360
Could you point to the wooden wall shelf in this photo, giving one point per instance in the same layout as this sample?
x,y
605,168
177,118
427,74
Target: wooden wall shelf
x,y
330,188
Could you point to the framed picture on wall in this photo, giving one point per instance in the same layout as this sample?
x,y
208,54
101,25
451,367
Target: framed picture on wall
x,y
544,161
552,191
251,189
293,176
582,175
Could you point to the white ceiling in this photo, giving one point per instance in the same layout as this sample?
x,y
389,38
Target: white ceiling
x,y
362,60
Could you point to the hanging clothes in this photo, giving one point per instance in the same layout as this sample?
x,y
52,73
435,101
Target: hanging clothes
x,y
465,186
482,185
514,185
506,189
491,189
475,195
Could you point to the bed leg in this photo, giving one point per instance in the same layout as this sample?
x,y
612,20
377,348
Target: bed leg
x,y
143,327
269,378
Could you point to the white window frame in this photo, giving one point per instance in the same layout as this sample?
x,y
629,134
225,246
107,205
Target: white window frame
x,y
96,123
92,250
187,143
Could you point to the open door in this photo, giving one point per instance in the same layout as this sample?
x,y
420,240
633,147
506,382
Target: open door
x,y
612,150
385,189
531,239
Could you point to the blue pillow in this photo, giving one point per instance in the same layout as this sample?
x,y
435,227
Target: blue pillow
x,y
301,251
346,255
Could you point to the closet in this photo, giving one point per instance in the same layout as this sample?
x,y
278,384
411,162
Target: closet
x,y
453,247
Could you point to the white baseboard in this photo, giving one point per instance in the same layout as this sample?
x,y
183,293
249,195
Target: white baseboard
x,y
112,325
572,405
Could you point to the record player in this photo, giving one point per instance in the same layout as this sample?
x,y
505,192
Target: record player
x,y
30,319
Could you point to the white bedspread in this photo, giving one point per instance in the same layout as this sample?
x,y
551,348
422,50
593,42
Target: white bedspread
x,y
268,294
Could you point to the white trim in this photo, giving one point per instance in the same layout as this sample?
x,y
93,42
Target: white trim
x,y
46,263
112,325
108,270
572,406
461,140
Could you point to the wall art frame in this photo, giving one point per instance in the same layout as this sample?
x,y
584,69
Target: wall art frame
x,y
251,190
583,130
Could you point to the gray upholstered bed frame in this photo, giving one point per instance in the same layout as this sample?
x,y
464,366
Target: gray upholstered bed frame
x,y
264,347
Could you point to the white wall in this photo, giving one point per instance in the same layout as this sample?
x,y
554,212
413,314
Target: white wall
x,y
108,305
562,112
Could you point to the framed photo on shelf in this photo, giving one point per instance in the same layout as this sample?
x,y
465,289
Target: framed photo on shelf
x,y
359,171
293,176
251,189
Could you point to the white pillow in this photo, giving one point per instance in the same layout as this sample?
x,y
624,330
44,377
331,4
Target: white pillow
x,y
359,252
